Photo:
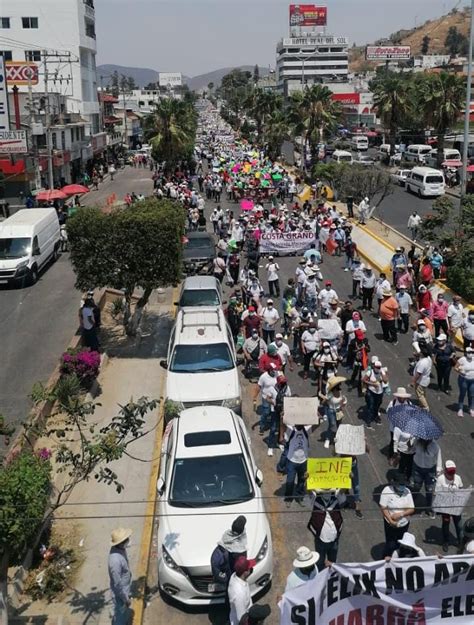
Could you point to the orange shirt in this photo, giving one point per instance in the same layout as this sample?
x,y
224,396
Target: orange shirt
x,y
389,309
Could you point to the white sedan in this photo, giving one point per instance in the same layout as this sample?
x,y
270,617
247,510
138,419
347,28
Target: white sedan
x,y
208,478
400,176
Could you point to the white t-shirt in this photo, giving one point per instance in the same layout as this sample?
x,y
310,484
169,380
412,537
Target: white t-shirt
x,y
404,301
265,381
353,325
310,340
468,330
283,351
466,367
326,296
269,317
298,448
272,271
239,599
296,578
396,503
455,315
375,378
423,369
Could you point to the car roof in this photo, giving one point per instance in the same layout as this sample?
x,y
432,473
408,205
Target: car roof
x,y
201,325
200,282
199,235
206,419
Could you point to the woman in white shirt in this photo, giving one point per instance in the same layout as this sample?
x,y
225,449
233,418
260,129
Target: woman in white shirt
x,y
465,368
396,503
334,402
427,465
447,482
404,450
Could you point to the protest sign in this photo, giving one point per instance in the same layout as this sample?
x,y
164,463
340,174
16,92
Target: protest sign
x,y
286,242
415,591
300,410
329,473
329,329
350,440
452,501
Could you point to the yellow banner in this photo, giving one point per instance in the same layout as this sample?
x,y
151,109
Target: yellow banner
x,y
329,473
305,194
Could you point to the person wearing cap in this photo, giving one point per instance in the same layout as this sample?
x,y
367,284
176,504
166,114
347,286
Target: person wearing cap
x,y
397,506
421,375
253,349
325,364
389,312
334,402
368,288
256,615
355,323
399,258
310,342
265,381
276,397
300,278
449,481
357,271
325,524
424,299
283,351
375,380
296,439
88,323
414,222
309,292
238,591
422,337
465,368
404,302
270,358
436,262
250,322
444,358
273,278
325,296
467,329
304,568
120,575
401,443
363,211
270,317
254,290
455,317
405,278
407,548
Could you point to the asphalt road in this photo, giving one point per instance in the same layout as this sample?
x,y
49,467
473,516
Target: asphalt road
x,y
362,540
37,322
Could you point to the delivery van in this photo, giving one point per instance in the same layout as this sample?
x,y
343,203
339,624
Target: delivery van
x,y
417,152
29,239
341,156
359,143
425,182
449,154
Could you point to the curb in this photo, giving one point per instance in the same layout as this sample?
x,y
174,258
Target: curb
x,y
141,574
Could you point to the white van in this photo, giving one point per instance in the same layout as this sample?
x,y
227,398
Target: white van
x,y
417,152
449,154
28,240
360,143
425,182
341,156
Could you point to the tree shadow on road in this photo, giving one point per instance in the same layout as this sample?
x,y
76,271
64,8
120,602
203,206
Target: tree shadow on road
x,y
151,340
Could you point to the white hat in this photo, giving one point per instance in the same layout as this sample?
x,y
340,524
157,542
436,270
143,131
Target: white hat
x,y
120,535
420,322
408,540
270,258
442,337
386,292
377,363
278,335
449,464
402,393
305,558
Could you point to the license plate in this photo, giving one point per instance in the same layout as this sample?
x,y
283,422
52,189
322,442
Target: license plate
x,y
3,281
215,588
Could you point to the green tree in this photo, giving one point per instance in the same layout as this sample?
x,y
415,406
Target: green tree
x,y
425,44
260,105
394,102
355,180
442,99
210,87
114,81
131,84
275,131
137,248
454,41
235,89
256,74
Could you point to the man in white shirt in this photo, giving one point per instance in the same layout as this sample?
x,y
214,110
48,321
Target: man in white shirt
x,y
414,222
381,285
283,351
325,296
297,445
270,317
449,481
368,288
455,316
238,591
397,506
421,377
265,381
304,568
404,303
272,277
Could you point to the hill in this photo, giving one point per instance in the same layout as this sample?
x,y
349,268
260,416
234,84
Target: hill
x,y
202,80
436,30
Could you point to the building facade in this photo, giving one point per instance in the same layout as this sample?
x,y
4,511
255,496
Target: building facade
x,y
310,59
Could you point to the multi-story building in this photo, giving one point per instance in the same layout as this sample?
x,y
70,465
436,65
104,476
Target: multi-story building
x,y
309,59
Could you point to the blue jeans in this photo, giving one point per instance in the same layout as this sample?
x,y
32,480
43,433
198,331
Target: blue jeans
x,y
332,424
427,477
265,409
374,401
311,302
465,386
295,470
122,613
274,429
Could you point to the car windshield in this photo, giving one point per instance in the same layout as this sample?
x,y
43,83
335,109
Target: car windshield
x,y
199,297
15,248
434,179
199,242
345,158
210,481
201,358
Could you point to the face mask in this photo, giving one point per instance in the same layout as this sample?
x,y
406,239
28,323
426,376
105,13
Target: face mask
x,y
255,336
272,373
399,489
469,357
270,306
312,330
326,350
279,343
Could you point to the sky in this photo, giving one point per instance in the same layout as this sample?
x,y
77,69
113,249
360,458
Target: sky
x,y
198,36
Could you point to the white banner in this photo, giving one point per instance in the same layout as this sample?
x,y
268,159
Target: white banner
x,y
13,142
286,242
413,591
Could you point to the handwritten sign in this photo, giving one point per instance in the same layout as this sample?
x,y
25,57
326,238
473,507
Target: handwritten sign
x,y
300,410
451,501
329,473
350,440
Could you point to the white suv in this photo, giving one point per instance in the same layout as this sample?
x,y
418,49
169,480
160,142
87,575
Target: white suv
x,y
208,478
201,364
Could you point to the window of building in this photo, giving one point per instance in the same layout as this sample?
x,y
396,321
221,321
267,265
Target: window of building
x,y
7,55
90,3
33,55
54,141
63,140
4,22
29,22
90,28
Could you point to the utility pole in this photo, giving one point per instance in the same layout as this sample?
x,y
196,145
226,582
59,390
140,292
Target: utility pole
x,y
48,122
467,112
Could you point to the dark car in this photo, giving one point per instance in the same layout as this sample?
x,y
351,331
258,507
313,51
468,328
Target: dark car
x,y
199,252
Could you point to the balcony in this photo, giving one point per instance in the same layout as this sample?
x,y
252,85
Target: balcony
x,y
89,8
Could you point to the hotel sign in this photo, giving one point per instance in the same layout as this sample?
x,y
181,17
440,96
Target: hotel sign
x,y
315,41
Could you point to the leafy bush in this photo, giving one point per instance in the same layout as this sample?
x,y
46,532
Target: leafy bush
x,y
84,363
67,388
117,307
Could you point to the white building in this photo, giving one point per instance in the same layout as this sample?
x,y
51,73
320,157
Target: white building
x,y
29,27
310,59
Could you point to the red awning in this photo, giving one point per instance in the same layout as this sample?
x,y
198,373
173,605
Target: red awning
x,y
13,169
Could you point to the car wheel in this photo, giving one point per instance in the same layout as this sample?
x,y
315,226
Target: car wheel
x,y
33,277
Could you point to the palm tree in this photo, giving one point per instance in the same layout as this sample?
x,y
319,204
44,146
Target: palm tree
x,y
393,100
442,100
260,105
276,130
313,113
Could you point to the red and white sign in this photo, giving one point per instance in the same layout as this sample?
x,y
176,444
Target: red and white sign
x,y
20,72
387,53
13,142
308,15
346,98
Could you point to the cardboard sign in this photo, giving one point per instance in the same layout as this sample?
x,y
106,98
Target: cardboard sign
x,y
451,501
350,440
329,473
329,329
300,410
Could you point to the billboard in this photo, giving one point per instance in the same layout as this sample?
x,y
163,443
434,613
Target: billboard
x,y
387,53
4,115
170,79
308,15
346,98
13,142
19,72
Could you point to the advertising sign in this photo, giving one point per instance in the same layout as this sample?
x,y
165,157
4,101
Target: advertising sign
x,y
13,142
19,72
308,15
422,591
387,53
170,79
4,116
286,242
346,98
329,473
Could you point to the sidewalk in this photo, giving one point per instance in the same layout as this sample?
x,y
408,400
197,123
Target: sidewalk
x,y
130,372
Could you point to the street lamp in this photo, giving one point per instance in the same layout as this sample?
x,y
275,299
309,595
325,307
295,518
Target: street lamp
x,y
467,112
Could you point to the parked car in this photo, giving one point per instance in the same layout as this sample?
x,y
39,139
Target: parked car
x,y
425,182
208,477
400,176
364,160
342,156
29,239
202,363
199,252
200,291
417,152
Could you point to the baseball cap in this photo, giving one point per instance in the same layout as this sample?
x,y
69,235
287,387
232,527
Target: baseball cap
x,y
449,464
251,308
242,564
420,322
281,379
271,366
328,283
377,363
278,335
269,301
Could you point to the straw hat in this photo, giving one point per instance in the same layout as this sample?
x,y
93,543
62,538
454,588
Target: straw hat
x,y
386,292
305,558
402,393
334,381
119,535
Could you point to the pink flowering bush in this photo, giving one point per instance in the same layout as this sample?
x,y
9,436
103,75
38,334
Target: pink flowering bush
x,y
84,363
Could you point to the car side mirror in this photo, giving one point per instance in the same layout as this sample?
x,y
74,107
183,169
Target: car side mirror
x,y
160,486
259,477
164,364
